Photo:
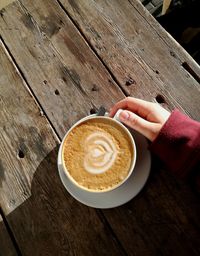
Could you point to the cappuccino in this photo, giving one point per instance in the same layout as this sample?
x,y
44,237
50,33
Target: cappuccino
x,y
97,154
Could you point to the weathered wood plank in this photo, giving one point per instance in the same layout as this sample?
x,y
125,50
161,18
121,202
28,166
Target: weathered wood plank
x,y
4,3
6,246
61,69
41,54
43,217
162,220
145,60
176,50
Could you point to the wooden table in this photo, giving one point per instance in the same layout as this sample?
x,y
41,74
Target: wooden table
x,y
61,60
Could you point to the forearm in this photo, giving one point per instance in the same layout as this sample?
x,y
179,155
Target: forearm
x,y
178,145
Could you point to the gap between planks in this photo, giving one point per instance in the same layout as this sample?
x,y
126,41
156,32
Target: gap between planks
x,y
103,218
100,213
194,74
28,87
10,233
92,48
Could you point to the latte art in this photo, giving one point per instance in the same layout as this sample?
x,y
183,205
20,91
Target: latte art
x,y
100,152
97,154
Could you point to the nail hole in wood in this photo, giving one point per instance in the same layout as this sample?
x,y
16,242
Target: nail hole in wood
x,y
95,88
20,154
157,72
57,92
172,54
130,81
160,99
45,81
93,111
64,79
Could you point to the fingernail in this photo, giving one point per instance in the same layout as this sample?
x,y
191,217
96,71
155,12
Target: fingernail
x,y
124,115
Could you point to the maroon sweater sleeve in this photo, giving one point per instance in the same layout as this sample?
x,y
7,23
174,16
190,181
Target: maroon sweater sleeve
x,y
178,145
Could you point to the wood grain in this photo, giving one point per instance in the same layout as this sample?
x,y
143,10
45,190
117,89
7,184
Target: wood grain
x,y
4,3
68,80
144,59
6,246
162,220
43,217
66,77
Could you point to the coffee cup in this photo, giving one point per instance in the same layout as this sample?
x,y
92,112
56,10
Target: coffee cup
x,y
98,153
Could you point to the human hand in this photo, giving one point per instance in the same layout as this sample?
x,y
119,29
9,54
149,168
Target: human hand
x,y
145,117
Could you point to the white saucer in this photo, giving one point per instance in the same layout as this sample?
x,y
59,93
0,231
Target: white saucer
x,y
122,194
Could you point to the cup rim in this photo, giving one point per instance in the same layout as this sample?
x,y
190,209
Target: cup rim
x,y
133,162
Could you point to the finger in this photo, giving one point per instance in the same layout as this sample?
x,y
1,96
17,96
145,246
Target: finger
x,y
148,129
138,106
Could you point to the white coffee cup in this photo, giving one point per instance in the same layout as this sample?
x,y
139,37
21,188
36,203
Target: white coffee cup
x,y
117,121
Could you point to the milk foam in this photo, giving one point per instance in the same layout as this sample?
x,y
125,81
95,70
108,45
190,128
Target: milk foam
x,y
100,152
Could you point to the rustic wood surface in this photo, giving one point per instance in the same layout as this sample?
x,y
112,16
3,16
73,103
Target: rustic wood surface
x,y
43,217
4,3
141,55
70,79
6,246
58,74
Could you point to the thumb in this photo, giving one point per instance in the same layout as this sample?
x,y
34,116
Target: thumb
x,y
148,129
